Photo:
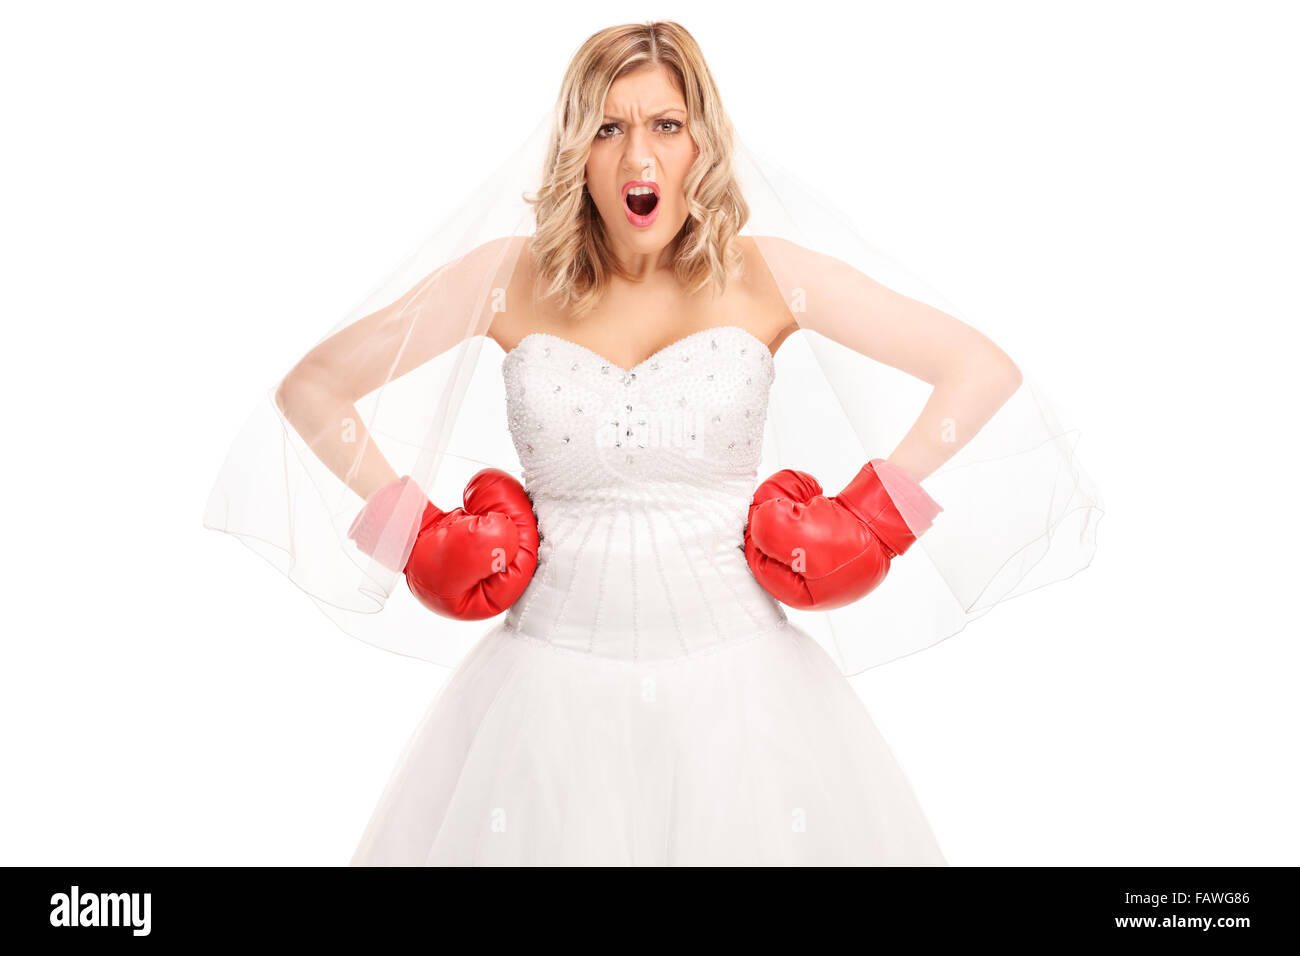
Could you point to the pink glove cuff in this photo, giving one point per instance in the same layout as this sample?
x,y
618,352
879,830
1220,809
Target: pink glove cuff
x,y
891,502
386,528
917,509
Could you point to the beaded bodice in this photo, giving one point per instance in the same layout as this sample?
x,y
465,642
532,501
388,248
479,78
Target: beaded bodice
x,y
641,481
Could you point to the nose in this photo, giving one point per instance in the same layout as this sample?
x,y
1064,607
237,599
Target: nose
x,y
637,158
643,168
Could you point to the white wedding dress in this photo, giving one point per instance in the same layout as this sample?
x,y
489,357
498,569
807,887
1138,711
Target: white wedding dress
x,y
645,702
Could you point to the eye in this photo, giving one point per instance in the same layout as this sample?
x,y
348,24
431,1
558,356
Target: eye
x,y
676,124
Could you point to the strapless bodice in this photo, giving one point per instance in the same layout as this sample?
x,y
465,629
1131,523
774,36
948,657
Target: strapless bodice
x,y
641,480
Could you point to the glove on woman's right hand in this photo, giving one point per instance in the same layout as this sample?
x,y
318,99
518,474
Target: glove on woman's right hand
x,y
471,563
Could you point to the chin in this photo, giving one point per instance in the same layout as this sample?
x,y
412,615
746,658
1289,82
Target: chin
x,y
648,239
652,237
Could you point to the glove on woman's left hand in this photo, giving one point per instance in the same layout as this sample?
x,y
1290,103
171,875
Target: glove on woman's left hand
x,y
811,551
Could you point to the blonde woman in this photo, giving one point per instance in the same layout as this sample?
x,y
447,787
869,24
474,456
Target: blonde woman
x,y
644,698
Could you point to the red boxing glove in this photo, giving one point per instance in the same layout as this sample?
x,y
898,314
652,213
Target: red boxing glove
x,y
816,553
469,564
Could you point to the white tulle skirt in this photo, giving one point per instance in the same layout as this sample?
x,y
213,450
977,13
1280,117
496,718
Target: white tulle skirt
x,y
757,752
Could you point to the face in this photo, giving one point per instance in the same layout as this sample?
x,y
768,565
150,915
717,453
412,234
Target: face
x,y
643,145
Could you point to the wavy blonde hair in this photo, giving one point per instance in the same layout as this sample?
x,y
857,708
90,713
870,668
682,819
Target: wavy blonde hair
x,y
571,251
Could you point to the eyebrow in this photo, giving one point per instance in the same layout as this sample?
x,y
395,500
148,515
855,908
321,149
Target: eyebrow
x,y
663,112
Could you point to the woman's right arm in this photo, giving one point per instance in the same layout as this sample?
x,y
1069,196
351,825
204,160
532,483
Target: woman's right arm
x,y
319,393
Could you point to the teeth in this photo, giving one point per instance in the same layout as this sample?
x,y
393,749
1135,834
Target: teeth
x,y
640,191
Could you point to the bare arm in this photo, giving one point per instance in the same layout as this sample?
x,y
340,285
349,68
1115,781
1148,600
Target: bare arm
x,y
319,393
972,377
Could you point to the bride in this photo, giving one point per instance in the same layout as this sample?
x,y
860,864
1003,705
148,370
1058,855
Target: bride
x,y
644,697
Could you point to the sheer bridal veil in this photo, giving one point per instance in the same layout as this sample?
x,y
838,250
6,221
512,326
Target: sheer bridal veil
x,y
425,382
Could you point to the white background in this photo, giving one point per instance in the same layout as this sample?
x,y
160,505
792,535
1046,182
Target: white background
x,y
194,193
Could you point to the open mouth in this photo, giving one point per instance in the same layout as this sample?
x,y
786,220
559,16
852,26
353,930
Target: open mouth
x,y
641,198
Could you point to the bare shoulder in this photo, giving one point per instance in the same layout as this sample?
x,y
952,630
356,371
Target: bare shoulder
x,y
512,293
763,291
759,249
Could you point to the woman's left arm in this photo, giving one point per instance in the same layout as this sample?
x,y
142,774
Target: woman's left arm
x,y
971,375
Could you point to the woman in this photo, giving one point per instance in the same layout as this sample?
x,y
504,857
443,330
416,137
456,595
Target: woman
x,y
645,699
